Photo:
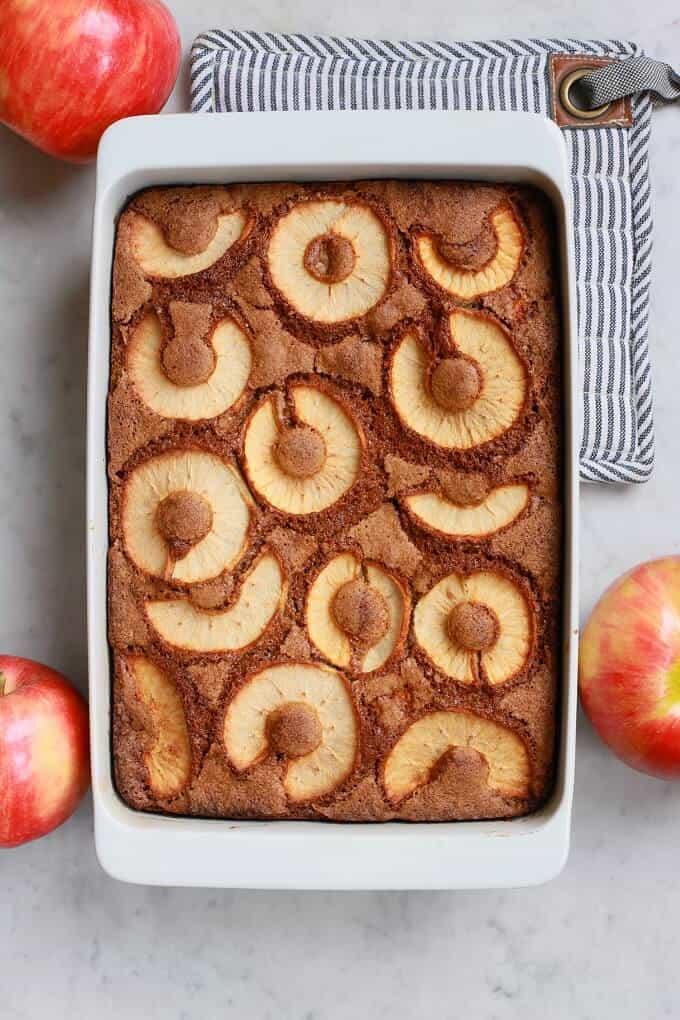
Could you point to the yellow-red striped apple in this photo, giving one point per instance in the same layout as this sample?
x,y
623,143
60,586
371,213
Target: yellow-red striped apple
x,y
44,750
629,671
69,68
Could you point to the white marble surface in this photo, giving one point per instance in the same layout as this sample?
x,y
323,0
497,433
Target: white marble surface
x,y
599,942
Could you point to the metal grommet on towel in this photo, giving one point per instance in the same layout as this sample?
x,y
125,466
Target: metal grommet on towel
x,y
567,102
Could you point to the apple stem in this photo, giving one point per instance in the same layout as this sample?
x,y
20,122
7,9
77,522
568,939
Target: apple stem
x,y
3,681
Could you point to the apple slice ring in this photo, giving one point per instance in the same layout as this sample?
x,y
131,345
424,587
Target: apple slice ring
x,y
304,468
156,258
228,369
188,628
185,516
498,509
357,613
330,259
466,400
412,761
468,284
302,711
168,757
476,623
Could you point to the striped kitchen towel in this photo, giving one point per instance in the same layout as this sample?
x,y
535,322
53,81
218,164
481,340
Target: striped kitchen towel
x,y
252,71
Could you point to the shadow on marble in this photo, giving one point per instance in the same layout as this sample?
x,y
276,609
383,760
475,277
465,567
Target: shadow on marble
x,y
28,175
62,466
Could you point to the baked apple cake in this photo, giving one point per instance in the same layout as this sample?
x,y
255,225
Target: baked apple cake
x,y
335,501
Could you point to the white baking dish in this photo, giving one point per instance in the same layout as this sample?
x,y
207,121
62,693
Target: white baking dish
x,y
138,847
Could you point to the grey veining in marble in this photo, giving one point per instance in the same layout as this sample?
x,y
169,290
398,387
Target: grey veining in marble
x,y
598,943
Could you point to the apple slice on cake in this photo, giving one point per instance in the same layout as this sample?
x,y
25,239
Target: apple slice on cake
x,y
479,620
468,397
468,284
357,613
168,757
185,515
203,380
305,466
157,258
303,712
466,517
412,761
330,259
189,628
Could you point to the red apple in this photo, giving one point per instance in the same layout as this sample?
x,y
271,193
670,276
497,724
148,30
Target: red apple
x,y
69,68
629,676
44,750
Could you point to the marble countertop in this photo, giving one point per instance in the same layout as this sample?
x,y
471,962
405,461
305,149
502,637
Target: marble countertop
x,y
596,943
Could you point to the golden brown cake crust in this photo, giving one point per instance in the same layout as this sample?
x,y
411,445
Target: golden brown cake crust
x,y
375,521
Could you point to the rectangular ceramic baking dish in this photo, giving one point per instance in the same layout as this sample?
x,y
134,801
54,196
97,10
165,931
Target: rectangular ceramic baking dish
x,y
220,148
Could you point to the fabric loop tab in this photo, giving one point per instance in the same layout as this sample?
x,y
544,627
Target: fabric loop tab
x,y
623,78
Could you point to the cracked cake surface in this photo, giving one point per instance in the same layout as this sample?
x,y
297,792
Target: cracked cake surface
x,y
335,501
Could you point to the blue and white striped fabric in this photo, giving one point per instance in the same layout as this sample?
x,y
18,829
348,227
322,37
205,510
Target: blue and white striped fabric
x,y
253,71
